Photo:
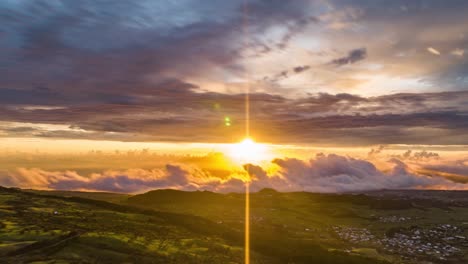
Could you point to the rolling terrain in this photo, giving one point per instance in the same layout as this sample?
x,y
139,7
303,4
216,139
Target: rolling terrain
x,y
393,226
62,227
169,226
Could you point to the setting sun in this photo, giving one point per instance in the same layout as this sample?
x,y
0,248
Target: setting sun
x,y
243,131
247,151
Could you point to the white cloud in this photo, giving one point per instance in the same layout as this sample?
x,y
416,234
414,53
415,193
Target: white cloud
x,y
433,51
334,173
458,52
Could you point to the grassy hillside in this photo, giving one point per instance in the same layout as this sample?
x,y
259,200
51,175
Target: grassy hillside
x,y
102,196
37,227
169,226
395,226
76,230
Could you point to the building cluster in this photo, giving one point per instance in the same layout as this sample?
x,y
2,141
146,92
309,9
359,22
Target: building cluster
x,y
393,219
354,234
441,242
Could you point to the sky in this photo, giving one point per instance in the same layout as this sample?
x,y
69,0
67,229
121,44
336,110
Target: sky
x,y
339,92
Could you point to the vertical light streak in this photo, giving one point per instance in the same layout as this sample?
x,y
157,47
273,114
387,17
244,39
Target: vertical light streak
x,y
247,111
247,135
247,223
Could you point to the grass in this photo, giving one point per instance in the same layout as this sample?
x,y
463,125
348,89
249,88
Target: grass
x,y
305,220
104,231
202,227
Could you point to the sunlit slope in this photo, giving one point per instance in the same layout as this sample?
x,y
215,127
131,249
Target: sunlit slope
x,y
48,228
169,226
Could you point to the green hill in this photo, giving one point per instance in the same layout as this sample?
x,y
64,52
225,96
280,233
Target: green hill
x,y
298,227
170,226
43,228
50,228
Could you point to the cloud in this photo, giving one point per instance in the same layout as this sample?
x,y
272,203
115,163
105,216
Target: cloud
x,y
77,48
433,51
300,69
334,173
424,118
324,173
75,45
352,57
69,65
458,52
286,74
294,29
374,152
425,155
455,168
129,181
418,156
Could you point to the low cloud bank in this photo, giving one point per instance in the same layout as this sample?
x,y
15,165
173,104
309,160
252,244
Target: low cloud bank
x,y
324,173
457,167
134,180
334,173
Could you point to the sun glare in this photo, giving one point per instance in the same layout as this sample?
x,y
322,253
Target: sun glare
x,y
247,151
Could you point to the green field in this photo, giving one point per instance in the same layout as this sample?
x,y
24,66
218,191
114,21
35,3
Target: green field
x,y
168,226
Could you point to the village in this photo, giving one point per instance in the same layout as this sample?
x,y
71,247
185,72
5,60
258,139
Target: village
x,y
393,219
434,243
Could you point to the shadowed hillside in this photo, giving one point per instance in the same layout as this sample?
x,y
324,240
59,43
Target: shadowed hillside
x,y
393,226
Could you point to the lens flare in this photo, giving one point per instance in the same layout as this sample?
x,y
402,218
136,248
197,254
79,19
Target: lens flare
x,y
247,151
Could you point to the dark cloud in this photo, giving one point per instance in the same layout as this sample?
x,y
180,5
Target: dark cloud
x,y
424,155
286,74
37,96
80,46
300,69
131,71
352,57
418,155
459,167
376,151
321,118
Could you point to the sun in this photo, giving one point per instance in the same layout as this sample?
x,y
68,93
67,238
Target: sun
x,y
247,151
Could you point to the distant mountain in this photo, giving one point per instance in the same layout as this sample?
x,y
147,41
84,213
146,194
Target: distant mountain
x,y
169,196
103,196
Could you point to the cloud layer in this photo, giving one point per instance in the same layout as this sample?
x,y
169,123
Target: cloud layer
x,y
321,72
344,119
324,173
